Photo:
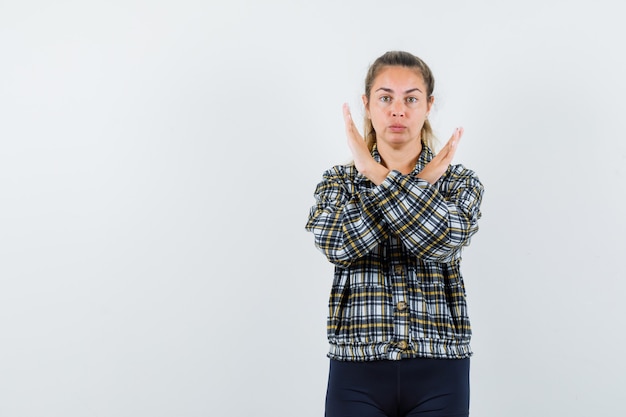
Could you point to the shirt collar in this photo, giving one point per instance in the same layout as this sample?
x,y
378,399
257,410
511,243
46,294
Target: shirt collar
x,y
425,157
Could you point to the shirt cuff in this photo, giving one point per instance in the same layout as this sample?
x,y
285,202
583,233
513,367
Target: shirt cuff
x,y
387,188
392,184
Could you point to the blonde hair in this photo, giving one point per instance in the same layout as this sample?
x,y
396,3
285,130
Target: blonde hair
x,y
401,59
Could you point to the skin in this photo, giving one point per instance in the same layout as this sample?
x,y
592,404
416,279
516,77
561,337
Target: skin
x,y
398,106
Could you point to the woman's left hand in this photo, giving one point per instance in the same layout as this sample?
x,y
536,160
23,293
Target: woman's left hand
x,y
440,163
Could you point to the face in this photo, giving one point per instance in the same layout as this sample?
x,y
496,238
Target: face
x,y
398,106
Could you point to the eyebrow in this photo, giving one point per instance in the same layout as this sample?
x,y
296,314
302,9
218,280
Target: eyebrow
x,y
389,90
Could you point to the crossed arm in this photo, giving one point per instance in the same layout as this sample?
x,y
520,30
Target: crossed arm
x,y
433,223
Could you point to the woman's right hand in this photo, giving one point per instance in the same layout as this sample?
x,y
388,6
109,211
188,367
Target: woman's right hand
x,y
360,154
363,160
440,163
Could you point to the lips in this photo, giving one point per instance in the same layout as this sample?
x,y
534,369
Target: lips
x,y
397,128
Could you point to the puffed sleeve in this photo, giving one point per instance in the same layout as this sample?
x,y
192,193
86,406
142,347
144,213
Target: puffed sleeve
x,y
346,223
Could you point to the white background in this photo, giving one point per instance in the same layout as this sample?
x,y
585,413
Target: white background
x,y
157,165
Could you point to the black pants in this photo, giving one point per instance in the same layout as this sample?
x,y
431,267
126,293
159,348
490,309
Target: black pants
x,y
408,387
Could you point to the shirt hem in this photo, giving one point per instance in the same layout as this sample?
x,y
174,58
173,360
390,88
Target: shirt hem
x,y
434,349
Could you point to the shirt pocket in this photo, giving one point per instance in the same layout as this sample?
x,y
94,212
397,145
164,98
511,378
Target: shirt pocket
x,y
439,307
367,271
360,314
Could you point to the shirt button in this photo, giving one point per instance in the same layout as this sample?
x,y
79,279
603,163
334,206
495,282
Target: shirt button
x,y
401,306
398,269
403,345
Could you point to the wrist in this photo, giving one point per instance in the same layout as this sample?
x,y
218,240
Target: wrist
x,y
375,172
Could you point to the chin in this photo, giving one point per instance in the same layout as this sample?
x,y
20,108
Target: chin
x,y
398,140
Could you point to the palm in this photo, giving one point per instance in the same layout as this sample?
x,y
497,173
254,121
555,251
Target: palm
x,y
439,164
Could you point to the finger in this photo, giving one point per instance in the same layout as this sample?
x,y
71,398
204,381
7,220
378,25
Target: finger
x,y
351,129
457,135
445,151
347,119
453,144
347,116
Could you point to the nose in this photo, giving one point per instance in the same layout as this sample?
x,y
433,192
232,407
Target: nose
x,y
397,110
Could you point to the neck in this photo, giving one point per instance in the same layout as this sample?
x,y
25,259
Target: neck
x,y
401,159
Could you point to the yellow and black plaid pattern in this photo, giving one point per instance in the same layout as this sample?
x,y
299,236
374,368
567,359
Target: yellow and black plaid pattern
x,y
397,289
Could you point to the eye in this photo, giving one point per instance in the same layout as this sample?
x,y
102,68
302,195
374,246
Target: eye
x,y
385,99
411,100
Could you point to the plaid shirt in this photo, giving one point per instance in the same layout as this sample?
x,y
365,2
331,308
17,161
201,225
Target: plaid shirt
x,y
397,289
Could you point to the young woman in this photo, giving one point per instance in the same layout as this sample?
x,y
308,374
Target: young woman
x,y
393,223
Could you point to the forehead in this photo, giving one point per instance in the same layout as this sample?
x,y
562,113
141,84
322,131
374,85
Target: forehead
x,y
399,79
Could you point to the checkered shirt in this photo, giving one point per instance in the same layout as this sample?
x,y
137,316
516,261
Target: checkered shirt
x,y
397,290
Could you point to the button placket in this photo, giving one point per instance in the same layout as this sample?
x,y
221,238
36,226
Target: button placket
x,y
401,324
398,272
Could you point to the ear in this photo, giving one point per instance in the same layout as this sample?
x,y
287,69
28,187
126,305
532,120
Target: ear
x,y
431,100
366,105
